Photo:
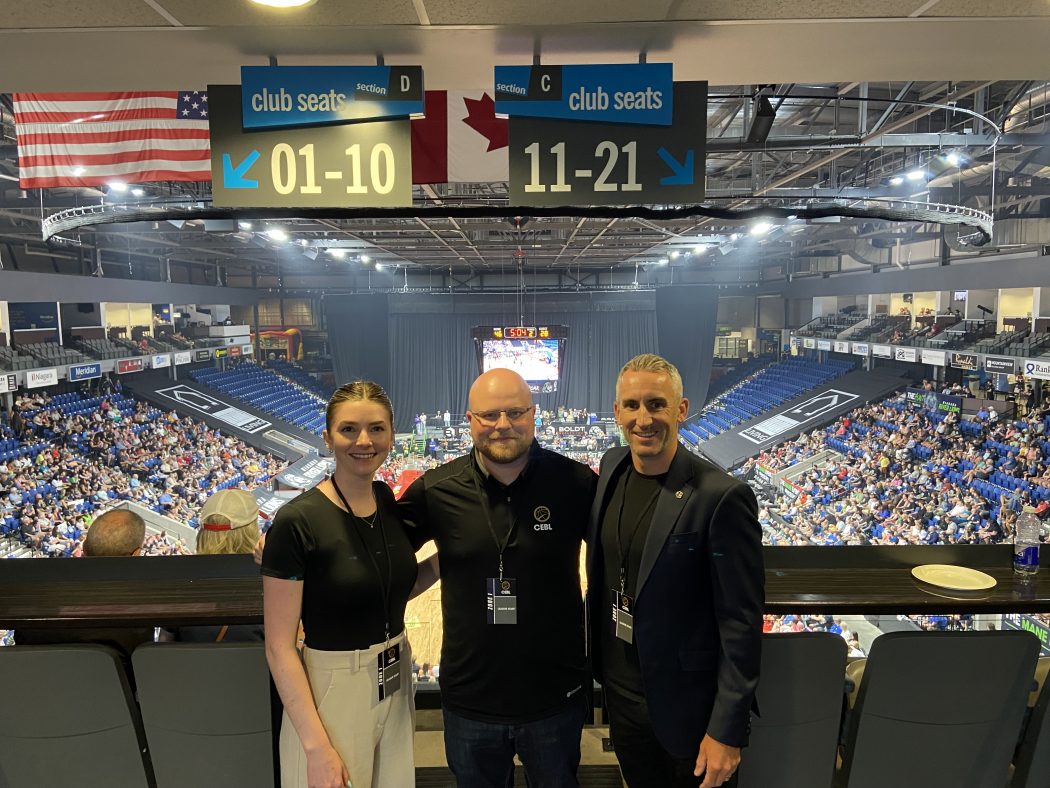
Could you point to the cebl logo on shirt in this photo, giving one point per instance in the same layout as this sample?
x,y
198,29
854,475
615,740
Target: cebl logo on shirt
x,y
542,515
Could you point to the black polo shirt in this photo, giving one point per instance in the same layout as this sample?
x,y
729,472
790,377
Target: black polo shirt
x,y
508,673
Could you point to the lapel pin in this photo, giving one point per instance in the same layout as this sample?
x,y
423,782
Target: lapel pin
x,y
679,494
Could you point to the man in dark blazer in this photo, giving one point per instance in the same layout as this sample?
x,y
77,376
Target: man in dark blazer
x,y
675,592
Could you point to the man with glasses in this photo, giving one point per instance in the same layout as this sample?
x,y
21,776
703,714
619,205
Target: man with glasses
x,y
508,521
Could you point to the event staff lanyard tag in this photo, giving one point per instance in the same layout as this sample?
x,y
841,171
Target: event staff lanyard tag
x,y
389,671
622,616
501,596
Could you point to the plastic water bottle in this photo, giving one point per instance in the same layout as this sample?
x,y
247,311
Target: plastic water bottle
x,y
1026,543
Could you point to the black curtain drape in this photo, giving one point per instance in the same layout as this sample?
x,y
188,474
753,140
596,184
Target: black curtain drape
x,y
685,324
359,337
433,360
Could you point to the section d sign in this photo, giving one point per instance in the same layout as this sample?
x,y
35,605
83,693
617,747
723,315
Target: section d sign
x,y
276,96
84,372
624,93
561,162
349,166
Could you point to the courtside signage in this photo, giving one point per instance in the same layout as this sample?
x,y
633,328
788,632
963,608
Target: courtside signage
x,y
248,350
1037,369
905,354
933,357
202,355
883,351
8,383
964,361
809,342
841,347
37,378
352,165
126,365
790,418
161,361
823,344
622,93
183,358
278,96
84,372
861,348
207,404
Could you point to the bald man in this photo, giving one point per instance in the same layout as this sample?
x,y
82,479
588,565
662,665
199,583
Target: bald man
x,y
508,521
118,532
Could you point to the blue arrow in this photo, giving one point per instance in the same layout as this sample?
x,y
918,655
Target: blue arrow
x,y
683,173
233,177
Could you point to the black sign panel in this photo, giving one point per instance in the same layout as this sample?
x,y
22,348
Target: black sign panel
x,y
964,361
1000,365
202,355
562,162
8,383
353,165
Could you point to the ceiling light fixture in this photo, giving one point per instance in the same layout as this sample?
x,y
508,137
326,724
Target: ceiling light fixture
x,y
896,180
954,159
338,254
916,175
761,228
138,192
284,3
379,266
117,186
366,259
277,234
244,225
699,249
78,171
675,255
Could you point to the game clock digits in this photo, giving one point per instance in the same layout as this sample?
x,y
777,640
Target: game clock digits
x,y
534,352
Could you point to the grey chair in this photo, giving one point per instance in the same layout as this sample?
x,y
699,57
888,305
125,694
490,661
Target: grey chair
x,y
793,740
69,720
206,711
939,710
1032,761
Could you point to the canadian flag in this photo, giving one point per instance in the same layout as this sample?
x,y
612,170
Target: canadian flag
x,y
460,140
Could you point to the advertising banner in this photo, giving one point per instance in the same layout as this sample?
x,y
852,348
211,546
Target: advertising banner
x,y
823,344
931,400
841,347
934,357
161,360
809,343
905,354
38,378
126,365
964,361
861,348
999,365
882,351
84,372
183,358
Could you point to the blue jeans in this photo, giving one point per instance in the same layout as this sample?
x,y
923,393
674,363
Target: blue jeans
x,y
481,754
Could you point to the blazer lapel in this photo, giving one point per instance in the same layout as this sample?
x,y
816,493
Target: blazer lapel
x,y
678,487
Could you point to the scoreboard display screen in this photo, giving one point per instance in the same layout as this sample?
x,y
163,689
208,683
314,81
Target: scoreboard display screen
x,y
534,352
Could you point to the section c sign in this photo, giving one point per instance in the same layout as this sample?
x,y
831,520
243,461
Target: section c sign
x,y
561,162
353,165
277,96
622,93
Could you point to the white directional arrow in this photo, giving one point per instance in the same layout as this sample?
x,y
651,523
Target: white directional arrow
x,y
195,399
811,408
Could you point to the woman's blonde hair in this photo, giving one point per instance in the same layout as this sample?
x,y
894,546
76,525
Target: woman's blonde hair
x,y
237,540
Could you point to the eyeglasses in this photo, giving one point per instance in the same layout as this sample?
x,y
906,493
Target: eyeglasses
x,y
490,418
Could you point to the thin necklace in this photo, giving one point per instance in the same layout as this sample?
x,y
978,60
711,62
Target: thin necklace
x,y
370,523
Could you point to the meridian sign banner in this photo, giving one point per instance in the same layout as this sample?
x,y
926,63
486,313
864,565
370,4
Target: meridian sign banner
x,y
276,96
621,93
566,162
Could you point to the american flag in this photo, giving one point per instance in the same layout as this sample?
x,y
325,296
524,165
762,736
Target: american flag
x,y
89,139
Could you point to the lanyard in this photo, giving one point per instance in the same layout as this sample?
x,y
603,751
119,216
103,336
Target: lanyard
x,y
492,530
384,587
620,554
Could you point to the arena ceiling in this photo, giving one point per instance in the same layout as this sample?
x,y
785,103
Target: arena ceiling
x,y
845,143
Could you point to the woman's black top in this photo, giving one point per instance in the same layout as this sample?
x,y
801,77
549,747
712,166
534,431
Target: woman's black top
x,y
355,588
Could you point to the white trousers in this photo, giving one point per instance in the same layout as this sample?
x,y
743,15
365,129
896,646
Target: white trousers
x,y
373,737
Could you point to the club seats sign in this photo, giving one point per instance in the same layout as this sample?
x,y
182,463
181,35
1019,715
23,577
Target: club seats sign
x,y
366,164
570,162
274,96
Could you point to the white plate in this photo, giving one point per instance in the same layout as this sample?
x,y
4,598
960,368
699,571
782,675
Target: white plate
x,y
957,578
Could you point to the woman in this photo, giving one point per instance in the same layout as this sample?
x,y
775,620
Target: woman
x,y
339,558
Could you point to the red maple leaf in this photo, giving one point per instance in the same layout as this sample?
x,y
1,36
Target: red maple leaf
x,y
481,116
